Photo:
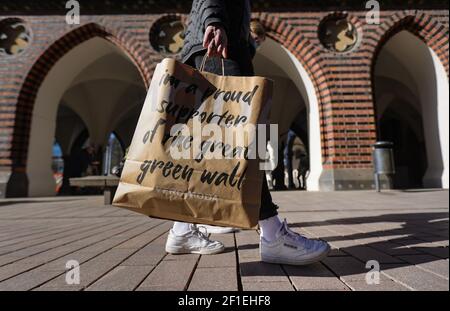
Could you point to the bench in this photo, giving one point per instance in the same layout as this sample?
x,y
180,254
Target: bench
x,y
107,183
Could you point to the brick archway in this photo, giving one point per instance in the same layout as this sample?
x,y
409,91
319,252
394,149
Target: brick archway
x,y
17,156
310,58
423,26
44,64
426,28
430,52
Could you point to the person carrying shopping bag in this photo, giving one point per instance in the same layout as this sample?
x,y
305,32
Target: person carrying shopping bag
x,y
221,30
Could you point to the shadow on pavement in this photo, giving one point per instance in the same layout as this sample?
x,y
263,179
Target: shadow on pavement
x,y
403,249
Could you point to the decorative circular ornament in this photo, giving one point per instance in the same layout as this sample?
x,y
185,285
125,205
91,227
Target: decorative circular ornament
x,y
167,35
338,34
14,37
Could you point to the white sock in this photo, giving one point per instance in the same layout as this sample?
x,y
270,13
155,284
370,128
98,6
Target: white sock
x,y
180,228
269,227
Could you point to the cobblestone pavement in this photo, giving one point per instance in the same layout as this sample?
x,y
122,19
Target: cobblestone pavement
x,y
406,232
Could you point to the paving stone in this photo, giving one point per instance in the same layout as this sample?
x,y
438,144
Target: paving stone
x,y
441,252
100,244
143,239
385,284
62,288
94,269
13,269
347,268
32,239
29,280
8,259
248,244
314,277
435,241
89,273
102,248
60,263
114,255
121,278
415,278
214,279
429,263
442,233
267,286
393,249
406,232
225,259
151,254
181,257
44,253
334,252
365,253
342,244
258,271
169,275
154,288
318,232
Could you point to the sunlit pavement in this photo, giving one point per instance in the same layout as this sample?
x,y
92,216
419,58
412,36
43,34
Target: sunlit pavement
x,y
403,233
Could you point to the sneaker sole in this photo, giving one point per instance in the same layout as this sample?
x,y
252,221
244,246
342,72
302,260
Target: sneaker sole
x,y
281,261
222,231
180,251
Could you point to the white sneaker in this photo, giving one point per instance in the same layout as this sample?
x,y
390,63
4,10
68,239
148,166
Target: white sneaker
x,y
292,248
193,242
219,230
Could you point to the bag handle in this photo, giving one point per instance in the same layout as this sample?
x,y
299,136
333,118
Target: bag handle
x,y
205,57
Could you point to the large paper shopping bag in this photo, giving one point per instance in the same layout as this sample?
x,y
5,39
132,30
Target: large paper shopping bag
x,y
193,156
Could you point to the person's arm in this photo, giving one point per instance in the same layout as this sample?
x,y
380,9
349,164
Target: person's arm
x,y
214,19
213,12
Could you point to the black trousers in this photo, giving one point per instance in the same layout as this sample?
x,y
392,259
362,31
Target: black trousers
x,y
238,64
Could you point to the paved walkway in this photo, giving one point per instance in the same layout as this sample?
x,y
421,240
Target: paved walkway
x,y
406,232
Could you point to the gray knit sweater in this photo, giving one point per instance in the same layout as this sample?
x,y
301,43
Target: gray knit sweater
x,y
234,15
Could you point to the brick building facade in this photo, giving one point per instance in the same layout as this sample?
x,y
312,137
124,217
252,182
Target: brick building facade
x,y
343,82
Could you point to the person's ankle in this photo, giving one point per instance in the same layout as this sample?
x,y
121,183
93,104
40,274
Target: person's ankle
x,y
269,228
181,228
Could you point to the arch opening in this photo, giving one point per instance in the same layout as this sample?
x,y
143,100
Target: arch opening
x,y
294,99
99,83
411,103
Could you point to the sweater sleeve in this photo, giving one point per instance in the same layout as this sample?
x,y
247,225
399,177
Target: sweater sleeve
x,y
212,11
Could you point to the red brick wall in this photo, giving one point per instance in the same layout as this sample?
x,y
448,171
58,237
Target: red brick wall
x,y
342,81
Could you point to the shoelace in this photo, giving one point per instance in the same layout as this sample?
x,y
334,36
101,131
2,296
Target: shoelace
x,y
196,231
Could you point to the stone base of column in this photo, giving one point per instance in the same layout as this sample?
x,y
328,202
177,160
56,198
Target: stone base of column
x,y
433,178
351,179
13,185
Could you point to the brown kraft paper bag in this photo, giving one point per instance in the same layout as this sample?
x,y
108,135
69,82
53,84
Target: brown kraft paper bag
x,y
198,189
